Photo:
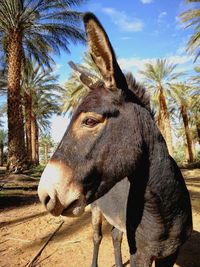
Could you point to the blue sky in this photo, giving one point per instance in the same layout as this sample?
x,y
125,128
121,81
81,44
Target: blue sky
x,y
140,31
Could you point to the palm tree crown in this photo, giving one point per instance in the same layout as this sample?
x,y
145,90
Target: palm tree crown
x,y
160,73
41,98
191,18
45,92
45,26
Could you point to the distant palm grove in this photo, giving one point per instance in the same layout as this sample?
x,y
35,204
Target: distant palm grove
x,y
31,33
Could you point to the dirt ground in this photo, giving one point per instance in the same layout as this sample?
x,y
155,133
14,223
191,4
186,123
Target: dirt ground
x,y
24,230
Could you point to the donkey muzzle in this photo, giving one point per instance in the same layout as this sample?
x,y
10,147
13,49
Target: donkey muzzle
x,y
59,193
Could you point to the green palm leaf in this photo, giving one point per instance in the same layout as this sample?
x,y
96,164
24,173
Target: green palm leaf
x,y
191,19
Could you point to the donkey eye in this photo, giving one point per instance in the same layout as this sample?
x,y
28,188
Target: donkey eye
x,y
90,122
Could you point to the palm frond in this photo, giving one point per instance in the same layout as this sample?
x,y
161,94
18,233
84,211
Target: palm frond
x,y
191,19
46,26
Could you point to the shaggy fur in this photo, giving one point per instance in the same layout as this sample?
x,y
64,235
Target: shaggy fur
x,y
138,90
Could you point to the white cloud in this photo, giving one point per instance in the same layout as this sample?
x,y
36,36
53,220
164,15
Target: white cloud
x,y
177,59
161,16
146,1
57,68
182,48
123,21
127,64
135,64
139,63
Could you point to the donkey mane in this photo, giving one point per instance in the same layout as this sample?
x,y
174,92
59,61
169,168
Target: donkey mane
x,y
139,91
140,94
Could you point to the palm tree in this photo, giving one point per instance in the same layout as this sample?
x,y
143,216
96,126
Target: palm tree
x,y
3,109
195,79
32,29
180,93
3,139
1,122
195,100
3,81
45,105
46,143
158,77
197,120
191,18
41,97
195,110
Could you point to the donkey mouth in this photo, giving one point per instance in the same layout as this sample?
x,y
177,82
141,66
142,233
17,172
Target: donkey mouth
x,y
74,209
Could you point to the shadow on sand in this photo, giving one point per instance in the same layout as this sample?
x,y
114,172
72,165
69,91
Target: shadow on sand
x,y
17,200
23,219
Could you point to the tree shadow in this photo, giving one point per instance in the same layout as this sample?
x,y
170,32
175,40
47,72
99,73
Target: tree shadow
x,y
18,179
2,171
21,220
28,179
68,229
189,255
17,200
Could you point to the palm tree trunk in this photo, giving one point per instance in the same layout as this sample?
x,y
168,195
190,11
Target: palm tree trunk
x,y
28,109
186,150
166,121
159,122
1,154
34,140
193,148
187,133
37,145
46,152
197,122
16,142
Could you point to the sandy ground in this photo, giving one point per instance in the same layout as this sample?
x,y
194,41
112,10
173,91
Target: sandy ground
x,y
24,229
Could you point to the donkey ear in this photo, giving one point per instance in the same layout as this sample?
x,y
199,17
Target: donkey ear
x,y
85,79
103,54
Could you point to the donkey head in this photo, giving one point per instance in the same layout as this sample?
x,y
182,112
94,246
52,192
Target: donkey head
x,y
103,142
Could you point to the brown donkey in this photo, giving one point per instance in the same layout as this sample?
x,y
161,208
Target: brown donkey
x,y
111,136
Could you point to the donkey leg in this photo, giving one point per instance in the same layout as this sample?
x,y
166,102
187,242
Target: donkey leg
x,y
140,260
167,262
117,241
97,233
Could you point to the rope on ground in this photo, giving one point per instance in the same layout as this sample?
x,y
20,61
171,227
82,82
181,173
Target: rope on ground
x,y
31,263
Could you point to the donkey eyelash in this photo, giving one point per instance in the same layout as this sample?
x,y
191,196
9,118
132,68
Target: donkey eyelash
x,y
90,122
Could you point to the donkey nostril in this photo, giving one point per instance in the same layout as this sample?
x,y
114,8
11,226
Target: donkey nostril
x,y
46,200
50,203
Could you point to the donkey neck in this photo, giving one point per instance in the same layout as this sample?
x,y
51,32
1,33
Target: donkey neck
x,y
155,157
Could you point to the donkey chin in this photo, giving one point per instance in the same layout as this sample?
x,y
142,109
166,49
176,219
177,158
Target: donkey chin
x,y
58,193
76,208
